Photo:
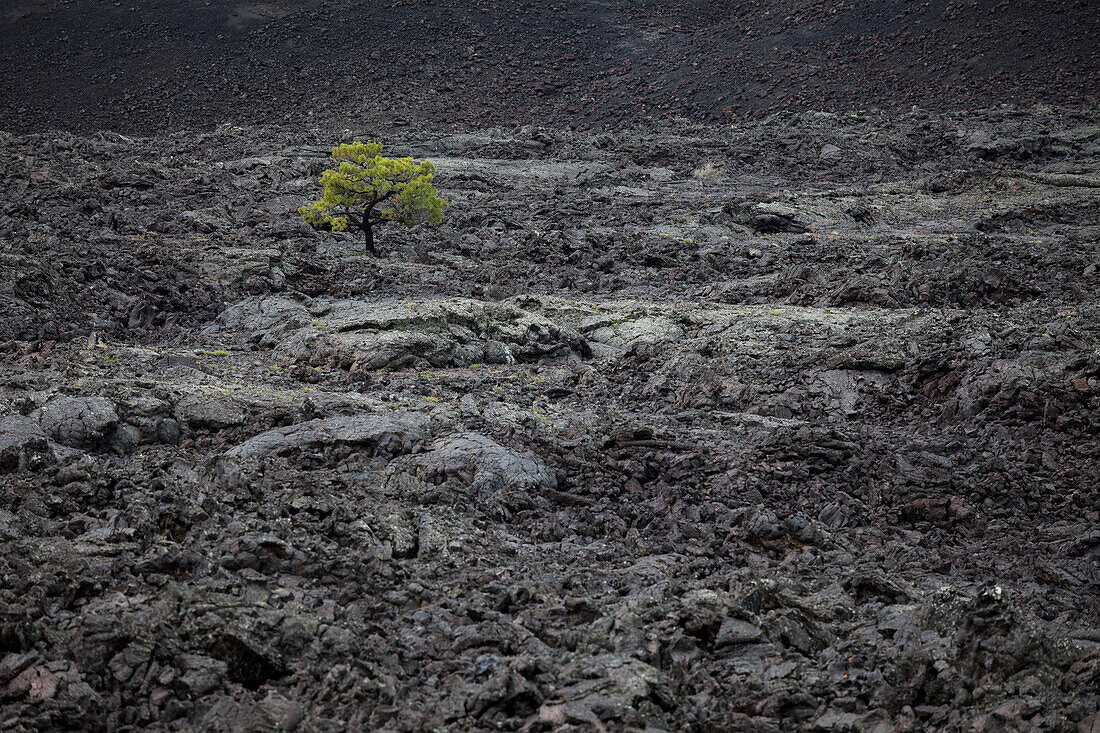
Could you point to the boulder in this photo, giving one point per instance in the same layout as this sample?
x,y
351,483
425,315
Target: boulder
x,y
211,410
79,422
734,631
386,434
263,318
23,444
611,688
483,464
770,218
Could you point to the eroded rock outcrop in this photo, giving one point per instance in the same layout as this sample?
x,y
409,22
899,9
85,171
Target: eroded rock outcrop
x,y
367,336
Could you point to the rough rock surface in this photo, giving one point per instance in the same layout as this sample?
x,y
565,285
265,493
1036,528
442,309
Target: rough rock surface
x,y
616,447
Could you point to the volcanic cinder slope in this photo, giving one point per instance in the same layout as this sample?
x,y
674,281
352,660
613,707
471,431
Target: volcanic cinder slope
x,y
144,65
694,417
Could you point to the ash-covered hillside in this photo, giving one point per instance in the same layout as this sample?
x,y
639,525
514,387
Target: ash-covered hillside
x,y
145,65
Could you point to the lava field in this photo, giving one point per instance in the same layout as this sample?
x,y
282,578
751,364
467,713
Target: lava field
x,y
713,404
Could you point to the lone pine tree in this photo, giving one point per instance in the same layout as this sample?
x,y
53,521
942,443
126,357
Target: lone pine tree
x,y
368,189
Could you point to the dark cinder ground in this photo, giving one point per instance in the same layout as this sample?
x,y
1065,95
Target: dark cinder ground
x,y
788,425
150,65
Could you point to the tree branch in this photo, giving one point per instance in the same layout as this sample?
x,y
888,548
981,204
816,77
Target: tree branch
x,y
369,211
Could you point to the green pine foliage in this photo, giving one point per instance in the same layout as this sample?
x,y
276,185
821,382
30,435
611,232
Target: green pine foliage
x,y
368,189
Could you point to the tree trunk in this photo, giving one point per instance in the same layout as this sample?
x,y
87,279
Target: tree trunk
x,y
368,235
